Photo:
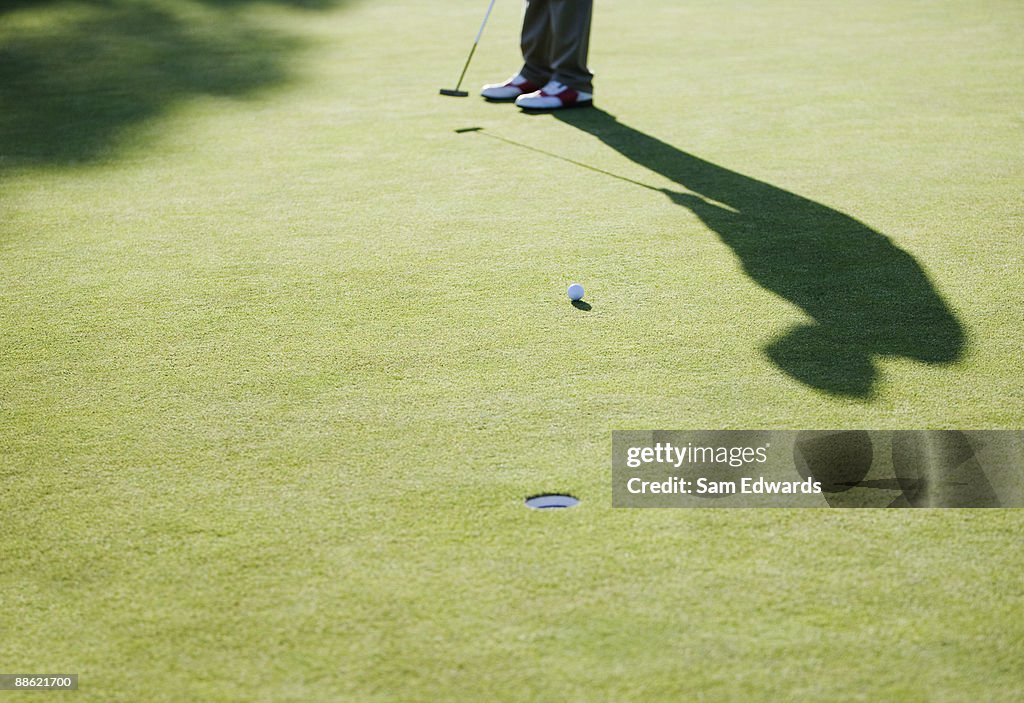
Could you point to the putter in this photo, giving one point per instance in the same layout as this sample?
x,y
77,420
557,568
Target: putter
x,y
456,93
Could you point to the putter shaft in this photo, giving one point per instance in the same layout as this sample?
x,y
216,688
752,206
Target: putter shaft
x,y
457,92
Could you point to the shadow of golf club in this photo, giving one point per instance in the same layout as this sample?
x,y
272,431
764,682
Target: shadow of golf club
x,y
867,297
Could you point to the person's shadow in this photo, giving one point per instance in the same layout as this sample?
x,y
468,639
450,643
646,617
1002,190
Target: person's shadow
x,y
867,297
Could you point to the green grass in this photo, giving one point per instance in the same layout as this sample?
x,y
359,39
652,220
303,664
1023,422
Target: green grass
x,y
281,353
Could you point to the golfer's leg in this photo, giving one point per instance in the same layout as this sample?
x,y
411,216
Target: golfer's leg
x,y
536,41
570,40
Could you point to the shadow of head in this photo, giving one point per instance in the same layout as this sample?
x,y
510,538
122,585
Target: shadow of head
x,y
866,297
923,469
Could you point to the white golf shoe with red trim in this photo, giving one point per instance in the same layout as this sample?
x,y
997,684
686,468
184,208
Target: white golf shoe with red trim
x,y
509,90
554,96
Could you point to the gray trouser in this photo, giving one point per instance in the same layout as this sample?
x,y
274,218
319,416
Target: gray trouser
x,y
556,35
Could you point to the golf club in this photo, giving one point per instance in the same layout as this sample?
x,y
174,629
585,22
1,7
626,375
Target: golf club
x,y
456,93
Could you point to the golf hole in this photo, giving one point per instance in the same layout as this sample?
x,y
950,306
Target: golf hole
x,y
551,500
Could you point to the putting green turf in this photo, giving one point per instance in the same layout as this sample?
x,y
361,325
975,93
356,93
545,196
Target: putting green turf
x,y
282,352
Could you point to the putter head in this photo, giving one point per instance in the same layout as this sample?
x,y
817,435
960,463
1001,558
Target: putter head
x,y
454,93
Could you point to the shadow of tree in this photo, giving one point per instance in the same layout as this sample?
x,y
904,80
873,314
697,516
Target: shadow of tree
x,y
867,297
75,75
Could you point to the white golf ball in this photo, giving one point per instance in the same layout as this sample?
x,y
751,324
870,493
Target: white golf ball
x,y
575,292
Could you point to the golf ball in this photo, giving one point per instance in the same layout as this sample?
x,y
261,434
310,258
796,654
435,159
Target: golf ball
x,y
575,292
